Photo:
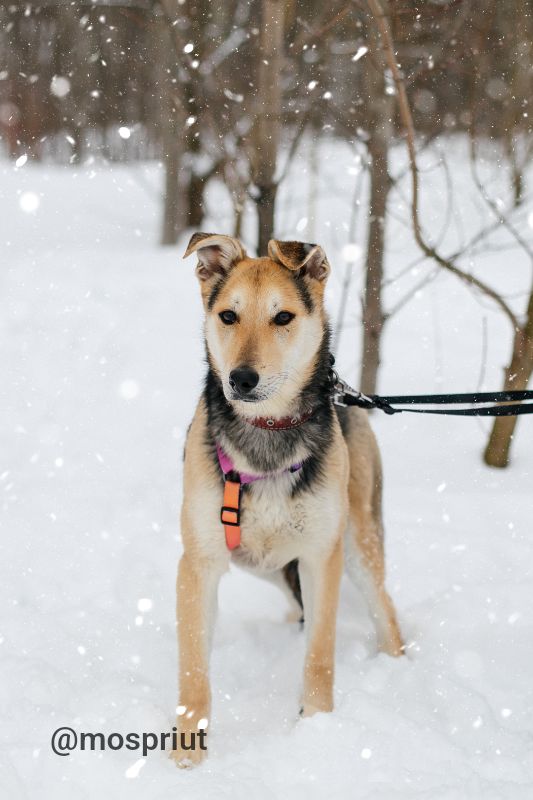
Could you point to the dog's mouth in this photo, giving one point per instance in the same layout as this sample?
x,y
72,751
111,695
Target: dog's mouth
x,y
250,397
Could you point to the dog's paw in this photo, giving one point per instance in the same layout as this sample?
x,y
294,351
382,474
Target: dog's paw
x,y
189,742
392,646
309,710
187,759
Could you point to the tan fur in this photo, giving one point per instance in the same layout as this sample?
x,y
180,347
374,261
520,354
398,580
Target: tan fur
x,y
319,661
364,546
276,527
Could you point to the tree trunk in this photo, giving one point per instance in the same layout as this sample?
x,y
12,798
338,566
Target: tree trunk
x,y
373,317
172,126
517,376
517,178
266,206
238,210
379,124
172,159
196,180
185,184
267,127
67,49
195,193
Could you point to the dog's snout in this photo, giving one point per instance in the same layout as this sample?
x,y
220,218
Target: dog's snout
x,y
243,379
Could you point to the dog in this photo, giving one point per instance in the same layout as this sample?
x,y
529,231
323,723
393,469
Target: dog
x,y
276,479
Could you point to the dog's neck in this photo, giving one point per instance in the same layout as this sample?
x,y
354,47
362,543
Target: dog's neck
x,y
262,450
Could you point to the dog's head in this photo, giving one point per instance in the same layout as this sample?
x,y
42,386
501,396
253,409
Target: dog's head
x,y
265,318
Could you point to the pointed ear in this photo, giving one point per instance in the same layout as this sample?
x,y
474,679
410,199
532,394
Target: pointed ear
x,y
309,258
217,253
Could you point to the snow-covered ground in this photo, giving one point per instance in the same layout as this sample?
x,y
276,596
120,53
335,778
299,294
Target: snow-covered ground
x,y
101,355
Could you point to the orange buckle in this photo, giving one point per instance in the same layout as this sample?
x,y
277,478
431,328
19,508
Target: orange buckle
x,y
230,514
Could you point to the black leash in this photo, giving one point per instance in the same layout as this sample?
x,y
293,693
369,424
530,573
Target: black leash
x,y
344,395
349,397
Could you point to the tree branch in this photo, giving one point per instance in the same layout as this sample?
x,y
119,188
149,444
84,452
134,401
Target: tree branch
x,y
502,218
382,24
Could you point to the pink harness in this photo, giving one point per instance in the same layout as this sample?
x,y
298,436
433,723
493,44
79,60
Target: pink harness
x,y
230,513
226,465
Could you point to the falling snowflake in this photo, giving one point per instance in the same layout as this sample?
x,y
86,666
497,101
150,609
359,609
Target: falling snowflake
x,y
29,202
351,251
360,53
133,771
129,389
59,86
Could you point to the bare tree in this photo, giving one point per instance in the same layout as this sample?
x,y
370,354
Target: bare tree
x,y
517,376
171,122
379,110
521,367
518,373
267,125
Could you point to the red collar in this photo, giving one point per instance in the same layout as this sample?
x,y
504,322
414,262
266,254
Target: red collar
x,y
283,424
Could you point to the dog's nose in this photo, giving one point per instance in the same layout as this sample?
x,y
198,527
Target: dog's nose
x,y
243,379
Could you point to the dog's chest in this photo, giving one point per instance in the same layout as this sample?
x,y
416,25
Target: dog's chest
x,y
275,527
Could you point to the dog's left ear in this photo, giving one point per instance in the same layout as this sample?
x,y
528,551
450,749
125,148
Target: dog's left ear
x,y
309,258
217,253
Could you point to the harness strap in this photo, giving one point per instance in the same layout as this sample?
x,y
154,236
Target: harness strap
x,y
230,513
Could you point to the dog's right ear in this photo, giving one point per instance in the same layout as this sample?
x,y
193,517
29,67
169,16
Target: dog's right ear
x,y
217,253
307,259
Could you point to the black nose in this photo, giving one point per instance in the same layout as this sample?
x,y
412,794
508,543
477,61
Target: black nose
x,y
243,379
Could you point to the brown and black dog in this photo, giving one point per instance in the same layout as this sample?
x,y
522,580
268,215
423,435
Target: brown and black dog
x,y
311,473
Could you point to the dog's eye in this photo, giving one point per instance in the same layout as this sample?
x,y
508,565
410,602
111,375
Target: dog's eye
x,y
283,318
228,317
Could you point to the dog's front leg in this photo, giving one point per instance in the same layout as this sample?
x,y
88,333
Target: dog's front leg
x,y
320,585
197,587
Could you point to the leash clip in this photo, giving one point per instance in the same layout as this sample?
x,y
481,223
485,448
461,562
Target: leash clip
x,y
341,389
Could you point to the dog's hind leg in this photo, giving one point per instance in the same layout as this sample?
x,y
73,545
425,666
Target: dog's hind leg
x,y
365,567
364,551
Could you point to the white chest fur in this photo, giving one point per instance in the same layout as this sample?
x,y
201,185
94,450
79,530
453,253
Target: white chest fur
x,y
276,527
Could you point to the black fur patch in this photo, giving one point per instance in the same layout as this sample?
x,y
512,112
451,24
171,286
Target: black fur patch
x,y
303,291
292,578
215,291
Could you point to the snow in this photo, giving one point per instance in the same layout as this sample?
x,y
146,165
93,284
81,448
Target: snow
x,y
59,86
361,51
102,362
